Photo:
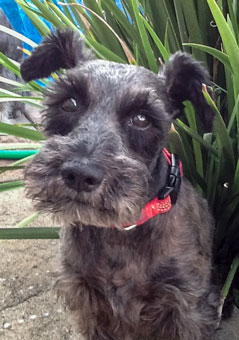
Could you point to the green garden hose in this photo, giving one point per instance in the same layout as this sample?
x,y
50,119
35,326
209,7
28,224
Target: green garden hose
x,y
16,154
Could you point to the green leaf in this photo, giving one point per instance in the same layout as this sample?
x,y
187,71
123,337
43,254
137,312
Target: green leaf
x,y
62,16
228,39
196,136
144,37
230,277
103,52
181,23
233,17
221,56
190,114
20,132
19,146
233,115
177,146
223,140
16,98
122,20
157,41
11,82
19,162
37,22
42,233
212,178
77,16
9,94
27,220
105,33
236,180
17,36
6,186
171,25
191,21
10,64
160,15
6,168
204,20
48,14
67,12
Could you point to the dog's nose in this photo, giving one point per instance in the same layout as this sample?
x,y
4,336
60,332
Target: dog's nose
x,y
82,176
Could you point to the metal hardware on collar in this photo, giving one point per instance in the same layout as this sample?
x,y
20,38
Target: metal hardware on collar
x,y
130,227
174,180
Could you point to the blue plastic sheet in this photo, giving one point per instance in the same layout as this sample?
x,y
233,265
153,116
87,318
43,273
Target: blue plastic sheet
x,y
20,21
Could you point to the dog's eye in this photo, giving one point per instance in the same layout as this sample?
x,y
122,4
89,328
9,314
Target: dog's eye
x,y
69,105
140,121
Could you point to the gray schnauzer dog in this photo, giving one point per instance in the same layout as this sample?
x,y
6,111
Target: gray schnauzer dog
x,y
9,46
135,246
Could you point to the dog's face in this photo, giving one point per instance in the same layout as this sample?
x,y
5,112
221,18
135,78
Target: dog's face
x,y
106,124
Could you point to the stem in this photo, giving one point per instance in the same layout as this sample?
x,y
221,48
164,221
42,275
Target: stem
x,y
27,220
228,283
42,233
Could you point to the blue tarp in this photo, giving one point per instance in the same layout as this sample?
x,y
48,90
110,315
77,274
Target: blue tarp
x,y
20,21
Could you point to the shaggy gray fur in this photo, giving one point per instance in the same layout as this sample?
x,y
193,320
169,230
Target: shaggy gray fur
x,y
107,124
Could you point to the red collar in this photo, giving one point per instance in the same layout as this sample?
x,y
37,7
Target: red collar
x,y
167,196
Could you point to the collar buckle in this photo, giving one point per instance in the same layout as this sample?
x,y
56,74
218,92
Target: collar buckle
x,y
174,180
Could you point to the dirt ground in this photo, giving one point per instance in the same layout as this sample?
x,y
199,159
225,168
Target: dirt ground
x,y
28,306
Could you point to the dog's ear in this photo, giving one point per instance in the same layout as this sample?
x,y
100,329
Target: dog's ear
x,y
183,79
61,49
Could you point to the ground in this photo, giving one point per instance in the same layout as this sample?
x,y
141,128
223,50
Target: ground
x,y
28,305
29,309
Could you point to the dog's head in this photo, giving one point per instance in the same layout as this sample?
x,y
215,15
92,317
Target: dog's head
x,y
106,124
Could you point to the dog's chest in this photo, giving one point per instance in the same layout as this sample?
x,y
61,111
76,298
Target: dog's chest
x,y
108,250
119,259
117,275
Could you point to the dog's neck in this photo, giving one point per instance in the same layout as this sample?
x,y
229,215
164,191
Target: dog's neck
x,y
167,187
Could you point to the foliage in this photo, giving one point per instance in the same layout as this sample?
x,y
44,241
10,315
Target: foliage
x,y
146,32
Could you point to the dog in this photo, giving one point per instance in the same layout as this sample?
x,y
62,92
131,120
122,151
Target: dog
x,y
136,238
9,46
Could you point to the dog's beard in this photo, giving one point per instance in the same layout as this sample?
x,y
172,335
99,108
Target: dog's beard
x,y
117,202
